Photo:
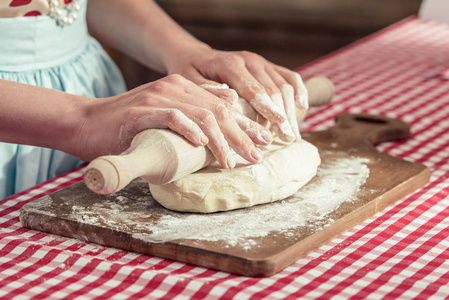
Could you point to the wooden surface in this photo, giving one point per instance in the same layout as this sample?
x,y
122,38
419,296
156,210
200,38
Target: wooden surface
x,y
125,219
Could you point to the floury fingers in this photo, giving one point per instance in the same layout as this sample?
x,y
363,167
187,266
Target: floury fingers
x,y
288,94
283,129
302,96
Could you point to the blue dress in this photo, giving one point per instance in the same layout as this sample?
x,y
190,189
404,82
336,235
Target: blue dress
x,y
37,51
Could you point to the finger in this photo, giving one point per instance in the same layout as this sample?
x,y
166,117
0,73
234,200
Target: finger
x,y
240,79
203,119
288,97
256,132
295,80
289,101
215,122
218,144
284,129
238,139
222,91
227,130
175,120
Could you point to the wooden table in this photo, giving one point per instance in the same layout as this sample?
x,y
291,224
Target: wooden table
x,y
400,252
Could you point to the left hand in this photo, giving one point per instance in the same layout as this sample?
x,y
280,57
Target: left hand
x,y
272,90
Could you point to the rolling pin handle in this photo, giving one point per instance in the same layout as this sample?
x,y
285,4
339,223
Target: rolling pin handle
x,y
102,177
320,89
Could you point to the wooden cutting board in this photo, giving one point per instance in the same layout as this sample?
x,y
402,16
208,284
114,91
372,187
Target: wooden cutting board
x,y
353,182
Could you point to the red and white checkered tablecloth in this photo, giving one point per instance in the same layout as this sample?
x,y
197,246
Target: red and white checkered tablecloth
x,y
400,252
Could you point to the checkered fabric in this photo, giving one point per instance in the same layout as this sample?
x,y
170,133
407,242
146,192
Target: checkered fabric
x,y
400,252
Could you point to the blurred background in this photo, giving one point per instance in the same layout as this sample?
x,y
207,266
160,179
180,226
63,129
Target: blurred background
x,y
287,32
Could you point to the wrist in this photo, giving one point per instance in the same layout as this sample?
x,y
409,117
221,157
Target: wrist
x,y
69,129
37,116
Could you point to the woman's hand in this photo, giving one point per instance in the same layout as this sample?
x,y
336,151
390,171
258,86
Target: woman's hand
x,y
175,103
151,37
272,90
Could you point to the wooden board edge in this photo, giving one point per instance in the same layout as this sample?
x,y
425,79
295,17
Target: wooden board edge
x,y
227,263
297,251
70,228
125,241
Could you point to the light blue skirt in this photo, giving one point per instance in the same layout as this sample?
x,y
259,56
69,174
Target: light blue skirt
x,y
36,51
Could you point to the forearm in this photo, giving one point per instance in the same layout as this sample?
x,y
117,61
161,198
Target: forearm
x,y
38,116
142,30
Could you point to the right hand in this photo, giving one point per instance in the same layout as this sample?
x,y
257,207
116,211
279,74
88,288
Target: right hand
x,y
175,103
273,91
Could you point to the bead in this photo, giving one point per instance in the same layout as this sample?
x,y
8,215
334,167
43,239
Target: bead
x,y
67,15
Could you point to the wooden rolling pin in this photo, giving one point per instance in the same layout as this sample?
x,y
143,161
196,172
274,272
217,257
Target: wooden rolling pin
x,y
160,156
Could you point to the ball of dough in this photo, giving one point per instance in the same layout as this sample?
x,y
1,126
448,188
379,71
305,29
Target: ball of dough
x,y
283,170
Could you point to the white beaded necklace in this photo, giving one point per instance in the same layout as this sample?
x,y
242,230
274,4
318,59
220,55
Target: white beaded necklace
x,y
67,15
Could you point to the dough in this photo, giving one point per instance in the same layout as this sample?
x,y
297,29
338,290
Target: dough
x,y
283,170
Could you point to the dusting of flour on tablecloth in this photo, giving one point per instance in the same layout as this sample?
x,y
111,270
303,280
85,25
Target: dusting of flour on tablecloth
x,y
337,182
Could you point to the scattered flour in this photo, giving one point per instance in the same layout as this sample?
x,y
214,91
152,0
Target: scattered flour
x,y
335,183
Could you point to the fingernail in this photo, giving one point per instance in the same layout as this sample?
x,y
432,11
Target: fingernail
x,y
230,161
230,96
234,96
296,133
302,94
256,154
266,136
203,138
279,102
287,130
303,101
295,128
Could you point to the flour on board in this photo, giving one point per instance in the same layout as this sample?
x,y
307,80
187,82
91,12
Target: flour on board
x,y
336,182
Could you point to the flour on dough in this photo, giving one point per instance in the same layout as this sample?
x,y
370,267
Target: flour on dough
x,y
283,170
